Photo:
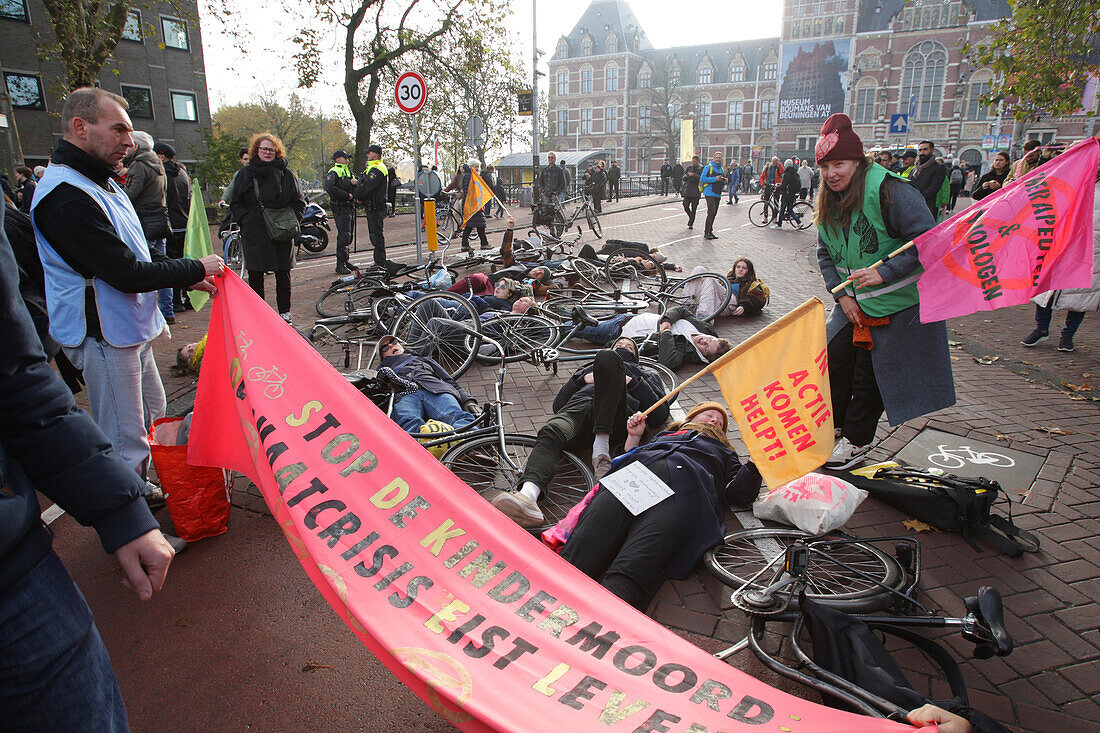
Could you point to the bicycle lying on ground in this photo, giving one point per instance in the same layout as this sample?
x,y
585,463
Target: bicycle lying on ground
x,y
774,571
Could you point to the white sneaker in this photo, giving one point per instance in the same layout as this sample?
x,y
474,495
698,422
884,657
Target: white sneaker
x,y
286,317
521,509
845,455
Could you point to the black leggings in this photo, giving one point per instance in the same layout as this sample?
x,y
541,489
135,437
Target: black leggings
x,y
857,403
282,287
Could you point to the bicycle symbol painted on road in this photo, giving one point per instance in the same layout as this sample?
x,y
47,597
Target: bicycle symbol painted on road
x,y
272,377
958,457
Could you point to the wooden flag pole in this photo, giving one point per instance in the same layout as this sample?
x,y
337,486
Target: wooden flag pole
x,y
736,351
890,256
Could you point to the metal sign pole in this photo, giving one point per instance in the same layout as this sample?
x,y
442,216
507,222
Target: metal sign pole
x,y
416,196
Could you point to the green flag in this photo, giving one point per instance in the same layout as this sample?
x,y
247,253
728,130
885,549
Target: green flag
x,y
197,243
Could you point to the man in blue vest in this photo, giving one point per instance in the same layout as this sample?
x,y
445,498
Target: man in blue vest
x,y
101,279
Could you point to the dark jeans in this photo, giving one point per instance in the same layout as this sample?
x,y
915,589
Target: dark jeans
x,y
664,186
613,191
628,552
54,670
345,225
1044,315
733,194
712,211
480,234
606,330
282,287
857,404
956,189
376,220
786,211
578,423
690,207
597,198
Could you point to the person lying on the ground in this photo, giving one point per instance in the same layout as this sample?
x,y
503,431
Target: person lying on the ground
x,y
499,295
590,410
632,556
673,339
749,294
432,394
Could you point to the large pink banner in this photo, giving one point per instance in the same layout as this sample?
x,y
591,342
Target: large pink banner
x,y
488,626
1034,235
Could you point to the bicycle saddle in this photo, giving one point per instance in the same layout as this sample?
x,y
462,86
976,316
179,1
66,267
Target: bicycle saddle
x,y
580,317
989,610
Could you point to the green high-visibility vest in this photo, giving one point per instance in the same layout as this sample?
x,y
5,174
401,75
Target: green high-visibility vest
x,y
867,242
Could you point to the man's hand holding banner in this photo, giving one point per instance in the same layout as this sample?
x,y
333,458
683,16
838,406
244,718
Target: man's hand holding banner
x,y
483,622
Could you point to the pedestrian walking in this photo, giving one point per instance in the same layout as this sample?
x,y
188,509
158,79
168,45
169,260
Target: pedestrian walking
x,y
734,182
614,174
677,177
477,219
692,189
907,369
714,178
666,176
805,180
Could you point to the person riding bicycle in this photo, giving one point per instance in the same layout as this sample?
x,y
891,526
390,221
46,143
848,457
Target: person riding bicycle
x,y
632,556
789,187
428,391
771,178
590,409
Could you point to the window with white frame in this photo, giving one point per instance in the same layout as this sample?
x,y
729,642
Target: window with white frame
x,y
586,80
705,74
767,113
611,78
702,114
923,77
645,78
975,108
865,105
674,75
132,30
563,82
184,107
586,120
586,46
611,119
737,71
563,49
562,126
612,43
645,120
736,111
140,100
770,71
175,33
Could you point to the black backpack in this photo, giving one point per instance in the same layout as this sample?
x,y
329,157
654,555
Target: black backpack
x,y
947,502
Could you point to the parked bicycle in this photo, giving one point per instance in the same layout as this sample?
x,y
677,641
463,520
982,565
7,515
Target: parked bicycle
x,y
765,212
583,205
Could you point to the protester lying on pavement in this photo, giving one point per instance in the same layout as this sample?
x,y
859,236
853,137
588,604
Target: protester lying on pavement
x,y
632,556
432,393
750,295
674,339
590,409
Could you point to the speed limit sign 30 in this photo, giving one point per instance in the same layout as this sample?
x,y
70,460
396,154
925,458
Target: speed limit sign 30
x,y
411,92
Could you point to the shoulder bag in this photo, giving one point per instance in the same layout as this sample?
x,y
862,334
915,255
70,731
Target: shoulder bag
x,y
282,224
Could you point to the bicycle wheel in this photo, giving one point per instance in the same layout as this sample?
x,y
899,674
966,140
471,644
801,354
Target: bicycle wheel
x,y
761,213
519,334
803,215
706,295
234,254
668,377
386,309
344,343
589,273
745,553
445,223
594,223
636,267
487,469
557,224
426,326
347,297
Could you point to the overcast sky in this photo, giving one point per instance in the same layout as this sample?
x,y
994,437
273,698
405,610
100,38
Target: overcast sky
x,y
236,77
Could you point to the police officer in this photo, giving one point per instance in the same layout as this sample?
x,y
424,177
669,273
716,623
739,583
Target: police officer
x,y
339,184
372,190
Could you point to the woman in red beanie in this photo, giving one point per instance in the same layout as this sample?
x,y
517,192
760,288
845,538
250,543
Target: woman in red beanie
x,y
880,355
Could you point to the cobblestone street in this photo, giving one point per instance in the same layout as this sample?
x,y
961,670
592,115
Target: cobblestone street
x,y
234,602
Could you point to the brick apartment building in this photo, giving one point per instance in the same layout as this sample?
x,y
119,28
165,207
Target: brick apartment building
x,y
610,89
158,67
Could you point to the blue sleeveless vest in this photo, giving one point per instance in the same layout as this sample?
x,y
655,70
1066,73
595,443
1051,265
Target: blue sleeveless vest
x,y
126,319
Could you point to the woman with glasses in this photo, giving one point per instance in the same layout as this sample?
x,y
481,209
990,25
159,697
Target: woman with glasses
x,y
266,182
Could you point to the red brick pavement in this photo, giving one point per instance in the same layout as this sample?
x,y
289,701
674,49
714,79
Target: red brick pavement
x,y
1053,678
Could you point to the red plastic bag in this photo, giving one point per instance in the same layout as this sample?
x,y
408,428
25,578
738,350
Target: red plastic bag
x,y
197,496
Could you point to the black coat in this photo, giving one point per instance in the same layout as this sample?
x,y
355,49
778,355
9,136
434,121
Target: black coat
x,y
279,187
980,193
791,184
177,194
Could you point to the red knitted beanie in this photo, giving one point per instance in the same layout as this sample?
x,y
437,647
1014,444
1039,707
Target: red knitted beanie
x,y
838,140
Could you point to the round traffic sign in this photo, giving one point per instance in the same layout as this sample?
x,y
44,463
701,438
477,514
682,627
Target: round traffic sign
x,y
411,92
428,184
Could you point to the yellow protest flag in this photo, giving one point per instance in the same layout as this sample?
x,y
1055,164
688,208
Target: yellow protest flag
x,y
776,384
687,139
477,195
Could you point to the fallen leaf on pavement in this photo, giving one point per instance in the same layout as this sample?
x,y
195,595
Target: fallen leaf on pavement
x,y
313,666
1051,430
986,359
1002,436
918,526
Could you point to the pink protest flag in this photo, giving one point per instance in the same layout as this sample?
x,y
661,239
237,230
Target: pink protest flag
x,y
1032,236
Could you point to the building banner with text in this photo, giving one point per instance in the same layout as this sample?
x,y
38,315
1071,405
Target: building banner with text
x,y
475,615
812,78
1033,235
776,384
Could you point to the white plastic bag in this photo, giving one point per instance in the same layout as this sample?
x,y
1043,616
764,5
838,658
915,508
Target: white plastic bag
x,y
816,504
